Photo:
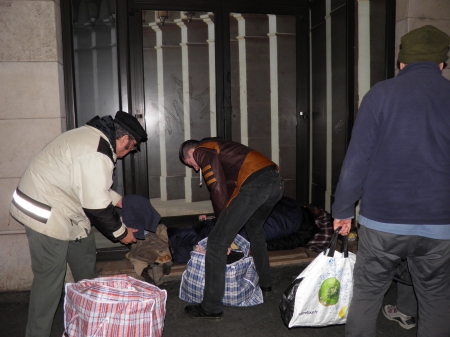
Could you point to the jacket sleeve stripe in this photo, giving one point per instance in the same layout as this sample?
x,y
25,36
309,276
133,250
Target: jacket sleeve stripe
x,y
206,168
32,201
34,209
209,174
209,182
29,213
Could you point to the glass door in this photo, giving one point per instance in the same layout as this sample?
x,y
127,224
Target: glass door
x,y
179,93
216,72
263,88
192,69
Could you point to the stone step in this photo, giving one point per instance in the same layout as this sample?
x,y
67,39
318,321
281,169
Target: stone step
x,y
299,255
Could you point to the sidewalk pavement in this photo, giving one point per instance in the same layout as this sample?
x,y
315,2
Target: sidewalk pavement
x,y
262,320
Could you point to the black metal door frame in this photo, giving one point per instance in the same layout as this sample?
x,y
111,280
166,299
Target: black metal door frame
x,y
127,22
222,11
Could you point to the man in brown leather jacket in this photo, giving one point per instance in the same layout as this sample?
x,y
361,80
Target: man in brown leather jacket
x,y
244,187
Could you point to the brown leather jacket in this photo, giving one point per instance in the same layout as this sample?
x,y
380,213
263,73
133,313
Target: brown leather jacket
x,y
225,166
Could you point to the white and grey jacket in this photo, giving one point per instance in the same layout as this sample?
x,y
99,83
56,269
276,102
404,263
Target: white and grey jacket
x,y
67,187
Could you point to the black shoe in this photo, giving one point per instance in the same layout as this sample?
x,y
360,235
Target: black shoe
x,y
266,290
196,311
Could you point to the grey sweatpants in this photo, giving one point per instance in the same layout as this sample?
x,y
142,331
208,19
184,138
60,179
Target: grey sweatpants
x,y
378,255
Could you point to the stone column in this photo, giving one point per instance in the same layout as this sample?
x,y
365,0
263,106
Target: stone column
x,y
196,94
363,48
254,76
170,109
283,97
209,19
234,78
31,115
152,111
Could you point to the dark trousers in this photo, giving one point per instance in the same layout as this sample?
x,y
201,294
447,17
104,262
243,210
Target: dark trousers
x,y
379,253
49,258
251,207
406,300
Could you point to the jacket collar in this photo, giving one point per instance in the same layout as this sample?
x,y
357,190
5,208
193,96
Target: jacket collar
x,y
106,126
421,66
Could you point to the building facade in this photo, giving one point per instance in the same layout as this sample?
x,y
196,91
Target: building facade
x,y
32,97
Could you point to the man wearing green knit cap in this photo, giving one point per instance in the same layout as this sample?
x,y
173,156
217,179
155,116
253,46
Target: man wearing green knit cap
x,y
425,44
398,165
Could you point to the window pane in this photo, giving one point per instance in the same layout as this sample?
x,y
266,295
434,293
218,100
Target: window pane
x,y
95,59
96,76
179,84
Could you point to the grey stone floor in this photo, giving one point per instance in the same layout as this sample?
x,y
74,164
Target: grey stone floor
x,y
262,320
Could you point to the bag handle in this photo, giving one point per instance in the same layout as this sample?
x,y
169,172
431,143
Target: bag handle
x,y
332,245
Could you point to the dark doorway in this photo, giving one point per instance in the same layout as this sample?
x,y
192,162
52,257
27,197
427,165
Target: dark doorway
x,y
234,70
278,76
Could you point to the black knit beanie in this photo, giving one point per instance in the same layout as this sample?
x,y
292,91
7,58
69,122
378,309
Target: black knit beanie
x,y
424,44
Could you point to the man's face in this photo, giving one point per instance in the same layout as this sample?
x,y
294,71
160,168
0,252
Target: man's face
x,y
125,145
190,161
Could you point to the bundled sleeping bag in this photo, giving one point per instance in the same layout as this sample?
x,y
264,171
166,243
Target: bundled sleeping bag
x,y
182,240
289,226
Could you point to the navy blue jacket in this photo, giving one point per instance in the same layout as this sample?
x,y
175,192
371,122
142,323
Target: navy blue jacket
x,y
398,160
138,213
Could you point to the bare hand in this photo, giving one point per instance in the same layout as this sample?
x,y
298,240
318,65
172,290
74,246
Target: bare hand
x,y
200,249
119,203
130,236
345,224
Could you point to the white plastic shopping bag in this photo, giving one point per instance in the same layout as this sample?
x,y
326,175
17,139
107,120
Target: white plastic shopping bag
x,y
322,293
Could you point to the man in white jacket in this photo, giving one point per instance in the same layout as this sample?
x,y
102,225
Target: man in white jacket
x,y
65,189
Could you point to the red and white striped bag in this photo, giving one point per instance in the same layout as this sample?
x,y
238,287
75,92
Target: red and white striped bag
x,y
114,306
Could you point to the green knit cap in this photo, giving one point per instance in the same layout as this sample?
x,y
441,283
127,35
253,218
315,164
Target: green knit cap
x,y
423,44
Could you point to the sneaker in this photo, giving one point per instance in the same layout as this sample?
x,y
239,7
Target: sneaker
x,y
391,313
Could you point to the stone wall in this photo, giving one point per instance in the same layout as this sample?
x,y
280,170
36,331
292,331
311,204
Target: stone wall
x,y
31,114
412,14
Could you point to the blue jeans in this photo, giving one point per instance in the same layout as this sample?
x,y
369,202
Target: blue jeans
x,y
251,207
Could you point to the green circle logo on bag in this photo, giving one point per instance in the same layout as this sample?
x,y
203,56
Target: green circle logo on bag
x,y
329,291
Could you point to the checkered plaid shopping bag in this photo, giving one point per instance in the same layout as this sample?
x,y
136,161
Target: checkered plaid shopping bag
x,y
115,306
241,283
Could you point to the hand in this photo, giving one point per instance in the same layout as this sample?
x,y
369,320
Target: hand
x,y
345,224
119,203
202,217
200,249
130,236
